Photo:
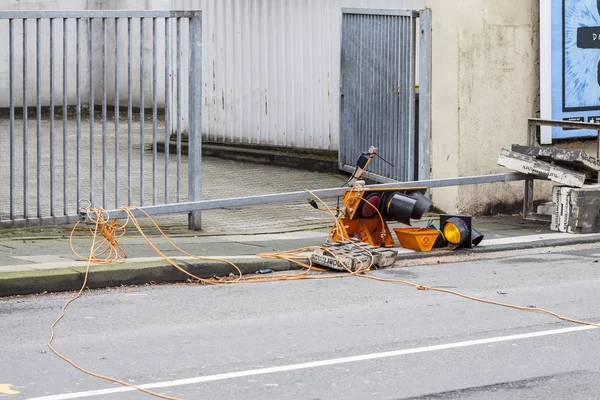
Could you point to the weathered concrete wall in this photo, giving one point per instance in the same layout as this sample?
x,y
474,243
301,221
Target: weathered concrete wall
x,y
485,86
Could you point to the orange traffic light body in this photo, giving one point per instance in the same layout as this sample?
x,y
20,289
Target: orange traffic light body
x,y
371,231
367,210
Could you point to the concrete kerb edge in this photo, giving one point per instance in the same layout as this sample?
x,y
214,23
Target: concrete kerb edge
x,y
577,239
111,275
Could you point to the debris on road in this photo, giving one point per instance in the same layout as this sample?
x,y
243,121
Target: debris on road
x,y
530,165
577,160
576,210
351,255
576,205
568,167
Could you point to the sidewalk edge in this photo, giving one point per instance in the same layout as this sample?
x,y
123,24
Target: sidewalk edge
x,y
111,275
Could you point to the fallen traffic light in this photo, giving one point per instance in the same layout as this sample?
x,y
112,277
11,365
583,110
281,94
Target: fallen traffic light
x,y
458,231
367,210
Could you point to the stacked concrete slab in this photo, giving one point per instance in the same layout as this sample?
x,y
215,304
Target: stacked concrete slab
x,y
576,210
575,206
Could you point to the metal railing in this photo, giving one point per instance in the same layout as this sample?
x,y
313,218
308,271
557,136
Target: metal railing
x,y
85,62
187,207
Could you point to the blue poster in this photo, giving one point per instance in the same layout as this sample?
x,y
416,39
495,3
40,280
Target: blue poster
x,y
575,64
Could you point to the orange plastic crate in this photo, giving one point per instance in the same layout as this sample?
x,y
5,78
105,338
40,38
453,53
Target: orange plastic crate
x,y
419,239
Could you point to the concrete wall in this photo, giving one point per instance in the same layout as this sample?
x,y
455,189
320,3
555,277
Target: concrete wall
x,y
485,86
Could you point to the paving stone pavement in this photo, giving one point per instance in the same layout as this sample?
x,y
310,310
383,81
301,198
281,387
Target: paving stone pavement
x,y
220,179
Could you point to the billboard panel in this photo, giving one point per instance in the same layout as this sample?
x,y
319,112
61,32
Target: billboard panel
x,y
572,67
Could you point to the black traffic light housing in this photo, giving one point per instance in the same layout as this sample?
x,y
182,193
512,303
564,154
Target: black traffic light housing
x,y
366,211
469,236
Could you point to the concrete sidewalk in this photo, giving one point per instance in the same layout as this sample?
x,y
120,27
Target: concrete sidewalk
x,y
39,261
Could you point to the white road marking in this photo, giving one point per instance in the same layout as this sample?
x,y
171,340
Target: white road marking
x,y
273,236
314,364
530,238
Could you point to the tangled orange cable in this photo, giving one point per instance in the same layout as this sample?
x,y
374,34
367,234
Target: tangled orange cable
x,y
108,250
100,220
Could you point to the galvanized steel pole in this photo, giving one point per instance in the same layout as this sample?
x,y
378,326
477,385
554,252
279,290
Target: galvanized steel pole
x,y
195,119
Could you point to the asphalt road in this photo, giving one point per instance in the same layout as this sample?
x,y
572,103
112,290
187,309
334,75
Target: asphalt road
x,y
347,338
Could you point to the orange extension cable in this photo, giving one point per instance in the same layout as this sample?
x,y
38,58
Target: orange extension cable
x,y
108,250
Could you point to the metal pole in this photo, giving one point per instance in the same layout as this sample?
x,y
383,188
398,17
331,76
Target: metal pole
x,y
598,152
104,111
196,206
154,111
117,112
425,95
195,118
129,115
78,106
528,193
64,110
11,96
51,117
25,111
167,104
179,90
142,117
38,107
91,83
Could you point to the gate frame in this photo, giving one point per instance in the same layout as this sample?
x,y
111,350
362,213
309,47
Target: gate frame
x,y
421,139
194,106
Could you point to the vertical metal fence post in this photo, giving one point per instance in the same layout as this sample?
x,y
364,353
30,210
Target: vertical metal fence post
x,y
104,111
154,111
167,104
178,113
117,112
424,95
25,111
78,107
195,118
528,192
38,109
91,105
11,95
51,117
129,116
64,110
142,116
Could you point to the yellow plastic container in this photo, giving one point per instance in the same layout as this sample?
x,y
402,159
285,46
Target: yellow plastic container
x,y
419,239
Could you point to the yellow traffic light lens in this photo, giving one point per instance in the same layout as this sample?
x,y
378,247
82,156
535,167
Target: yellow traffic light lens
x,y
452,233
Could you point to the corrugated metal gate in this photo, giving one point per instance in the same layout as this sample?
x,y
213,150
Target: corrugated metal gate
x,y
378,68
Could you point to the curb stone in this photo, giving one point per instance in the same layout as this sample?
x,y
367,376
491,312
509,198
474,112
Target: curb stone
x,y
577,239
111,275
